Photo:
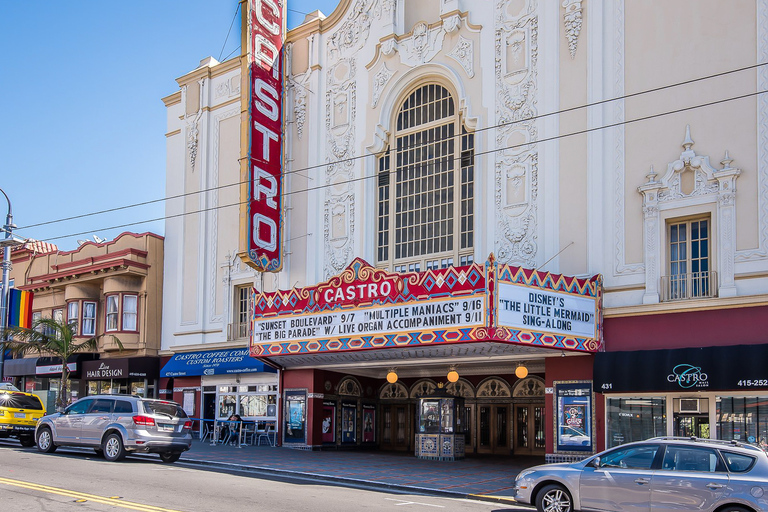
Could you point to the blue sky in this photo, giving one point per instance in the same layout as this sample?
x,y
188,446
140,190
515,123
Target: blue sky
x,y
84,126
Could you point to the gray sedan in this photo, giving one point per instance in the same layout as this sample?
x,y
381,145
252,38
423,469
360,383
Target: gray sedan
x,y
659,475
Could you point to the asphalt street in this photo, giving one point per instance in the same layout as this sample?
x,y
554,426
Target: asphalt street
x,y
80,480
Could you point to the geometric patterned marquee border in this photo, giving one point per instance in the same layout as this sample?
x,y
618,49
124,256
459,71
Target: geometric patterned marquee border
x,y
396,310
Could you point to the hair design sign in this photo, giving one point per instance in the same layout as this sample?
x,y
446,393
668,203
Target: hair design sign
x,y
266,31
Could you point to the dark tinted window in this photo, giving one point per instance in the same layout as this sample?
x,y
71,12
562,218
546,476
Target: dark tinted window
x,y
631,457
691,458
79,407
738,462
101,405
167,408
20,401
122,406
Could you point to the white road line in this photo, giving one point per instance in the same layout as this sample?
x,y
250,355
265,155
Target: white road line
x,y
403,502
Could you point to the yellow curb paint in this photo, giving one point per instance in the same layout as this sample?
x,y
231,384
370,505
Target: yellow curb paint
x,y
83,497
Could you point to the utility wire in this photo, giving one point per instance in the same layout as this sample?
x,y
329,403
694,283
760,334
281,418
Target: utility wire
x,y
491,151
501,125
229,31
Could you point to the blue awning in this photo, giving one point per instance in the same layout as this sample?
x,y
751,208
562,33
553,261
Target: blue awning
x,y
213,362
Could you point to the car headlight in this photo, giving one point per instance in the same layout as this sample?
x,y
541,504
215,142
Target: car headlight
x,y
523,474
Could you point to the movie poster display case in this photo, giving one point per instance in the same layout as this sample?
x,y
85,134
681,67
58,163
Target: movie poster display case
x,y
440,433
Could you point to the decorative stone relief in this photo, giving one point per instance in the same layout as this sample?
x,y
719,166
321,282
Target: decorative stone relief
x,y
422,388
385,9
572,19
380,81
349,387
193,132
422,46
516,166
452,23
394,391
463,53
353,32
228,88
675,190
493,388
339,225
530,387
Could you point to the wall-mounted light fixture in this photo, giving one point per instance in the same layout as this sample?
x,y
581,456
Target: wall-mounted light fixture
x,y
392,375
521,371
453,375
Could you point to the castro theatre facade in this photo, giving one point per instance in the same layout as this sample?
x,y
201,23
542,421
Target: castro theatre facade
x,y
358,351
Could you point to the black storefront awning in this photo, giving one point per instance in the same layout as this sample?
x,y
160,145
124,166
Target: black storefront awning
x,y
735,368
19,367
122,368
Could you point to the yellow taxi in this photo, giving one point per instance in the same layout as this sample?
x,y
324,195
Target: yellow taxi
x,y
19,413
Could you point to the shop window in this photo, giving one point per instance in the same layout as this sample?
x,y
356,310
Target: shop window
x,y
689,267
242,302
73,316
635,419
249,401
89,319
112,312
743,419
425,193
130,312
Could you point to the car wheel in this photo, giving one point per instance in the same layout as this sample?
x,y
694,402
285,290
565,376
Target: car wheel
x,y
45,441
554,498
169,457
113,447
27,441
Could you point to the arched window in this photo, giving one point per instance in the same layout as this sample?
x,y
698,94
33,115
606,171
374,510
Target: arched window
x,y
425,203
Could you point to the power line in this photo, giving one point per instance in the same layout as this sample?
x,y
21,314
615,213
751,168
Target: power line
x,y
491,151
229,31
351,159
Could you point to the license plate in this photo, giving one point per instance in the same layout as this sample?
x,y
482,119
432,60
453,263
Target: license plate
x,y
165,427
19,415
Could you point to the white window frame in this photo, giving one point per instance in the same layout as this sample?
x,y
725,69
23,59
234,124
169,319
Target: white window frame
x,y
241,320
130,313
89,320
112,316
73,316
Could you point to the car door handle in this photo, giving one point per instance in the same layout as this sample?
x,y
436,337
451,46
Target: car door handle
x,y
714,486
642,481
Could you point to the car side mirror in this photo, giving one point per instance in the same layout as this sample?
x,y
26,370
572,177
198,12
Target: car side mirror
x,y
595,463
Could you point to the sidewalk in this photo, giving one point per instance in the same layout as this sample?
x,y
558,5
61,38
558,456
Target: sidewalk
x,y
488,477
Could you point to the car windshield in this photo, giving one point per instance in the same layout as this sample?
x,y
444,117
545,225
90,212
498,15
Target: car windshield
x,y
20,401
166,408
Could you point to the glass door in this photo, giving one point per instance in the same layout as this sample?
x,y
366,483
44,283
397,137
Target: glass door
x,y
493,429
692,425
529,431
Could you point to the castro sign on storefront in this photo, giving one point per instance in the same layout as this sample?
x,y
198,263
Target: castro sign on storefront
x,y
366,308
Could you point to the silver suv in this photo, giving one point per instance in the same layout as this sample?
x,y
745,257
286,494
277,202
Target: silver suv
x,y
662,473
114,425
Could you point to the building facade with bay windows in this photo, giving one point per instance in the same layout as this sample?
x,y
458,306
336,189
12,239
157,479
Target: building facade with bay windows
x,y
598,191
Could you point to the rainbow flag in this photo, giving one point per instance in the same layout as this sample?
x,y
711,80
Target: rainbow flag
x,y
19,308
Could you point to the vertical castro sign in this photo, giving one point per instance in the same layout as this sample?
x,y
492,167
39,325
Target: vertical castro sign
x,y
266,29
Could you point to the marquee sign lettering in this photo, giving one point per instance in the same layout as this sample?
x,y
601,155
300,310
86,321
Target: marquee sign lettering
x,y
368,308
266,30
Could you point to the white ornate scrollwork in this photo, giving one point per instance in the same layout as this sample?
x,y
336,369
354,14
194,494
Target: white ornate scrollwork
x,y
708,185
572,20
463,53
516,82
423,44
380,81
353,32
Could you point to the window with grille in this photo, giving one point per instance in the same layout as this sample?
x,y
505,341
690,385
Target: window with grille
x,y
689,249
425,195
242,300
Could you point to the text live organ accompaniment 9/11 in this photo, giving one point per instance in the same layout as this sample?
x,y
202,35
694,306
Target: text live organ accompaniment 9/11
x,y
464,312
